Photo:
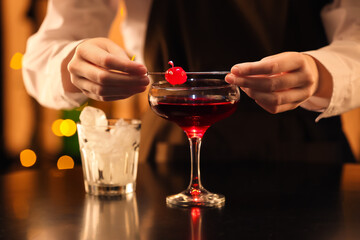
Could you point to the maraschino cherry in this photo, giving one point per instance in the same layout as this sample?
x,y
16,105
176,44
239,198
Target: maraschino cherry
x,y
175,75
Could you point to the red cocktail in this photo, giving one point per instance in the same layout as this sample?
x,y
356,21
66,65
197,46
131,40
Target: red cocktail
x,y
194,106
194,116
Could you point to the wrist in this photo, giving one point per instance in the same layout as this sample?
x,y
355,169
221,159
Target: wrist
x,y
324,87
66,79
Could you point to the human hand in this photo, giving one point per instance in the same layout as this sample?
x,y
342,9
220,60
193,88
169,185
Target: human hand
x,y
280,82
102,71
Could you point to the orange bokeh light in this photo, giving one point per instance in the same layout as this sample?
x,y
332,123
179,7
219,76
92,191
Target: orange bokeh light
x,y
27,158
16,61
55,127
65,162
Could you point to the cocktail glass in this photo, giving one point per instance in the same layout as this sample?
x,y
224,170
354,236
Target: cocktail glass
x,y
195,106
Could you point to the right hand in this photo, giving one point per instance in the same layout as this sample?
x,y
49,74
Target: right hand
x,y
102,71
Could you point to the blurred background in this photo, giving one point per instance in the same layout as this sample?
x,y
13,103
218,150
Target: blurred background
x,y
29,132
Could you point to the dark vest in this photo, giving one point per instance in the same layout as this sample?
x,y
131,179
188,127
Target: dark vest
x,y
205,35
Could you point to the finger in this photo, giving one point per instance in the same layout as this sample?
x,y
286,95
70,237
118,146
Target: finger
x,y
101,90
272,83
89,87
279,108
109,60
105,77
284,62
104,99
114,92
274,99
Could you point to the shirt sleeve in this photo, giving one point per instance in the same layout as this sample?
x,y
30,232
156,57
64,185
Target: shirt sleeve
x,y
66,24
341,58
134,27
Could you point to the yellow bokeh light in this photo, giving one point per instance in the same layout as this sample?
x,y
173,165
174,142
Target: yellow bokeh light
x,y
65,162
27,158
55,127
122,11
68,127
16,61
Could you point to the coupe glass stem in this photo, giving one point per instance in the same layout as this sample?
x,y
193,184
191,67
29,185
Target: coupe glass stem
x,y
195,186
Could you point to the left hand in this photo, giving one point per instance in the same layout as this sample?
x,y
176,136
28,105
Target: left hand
x,y
277,83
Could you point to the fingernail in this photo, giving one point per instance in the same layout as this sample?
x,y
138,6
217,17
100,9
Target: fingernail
x,y
145,80
143,69
239,71
230,79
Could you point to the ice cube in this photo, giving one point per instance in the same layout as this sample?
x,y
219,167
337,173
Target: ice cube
x,y
125,135
121,122
91,116
94,137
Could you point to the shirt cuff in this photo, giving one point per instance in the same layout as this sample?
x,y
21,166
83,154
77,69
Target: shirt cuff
x,y
329,107
68,100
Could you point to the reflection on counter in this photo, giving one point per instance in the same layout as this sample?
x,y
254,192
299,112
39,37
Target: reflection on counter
x,y
110,218
196,221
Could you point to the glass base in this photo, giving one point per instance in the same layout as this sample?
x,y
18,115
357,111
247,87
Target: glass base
x,y
110,190
203,199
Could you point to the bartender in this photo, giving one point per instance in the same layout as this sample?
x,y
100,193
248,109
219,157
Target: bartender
x,y
297,63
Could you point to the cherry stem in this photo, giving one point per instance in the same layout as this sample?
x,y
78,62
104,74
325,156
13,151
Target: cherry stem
x,y
171,63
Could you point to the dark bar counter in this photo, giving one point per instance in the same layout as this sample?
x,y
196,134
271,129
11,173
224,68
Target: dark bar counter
x,y
282,201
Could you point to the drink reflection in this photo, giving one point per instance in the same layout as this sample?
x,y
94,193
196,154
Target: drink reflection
x,y
110,218
196,221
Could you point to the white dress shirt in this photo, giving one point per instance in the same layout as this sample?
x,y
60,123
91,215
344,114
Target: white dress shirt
x,y
68,22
